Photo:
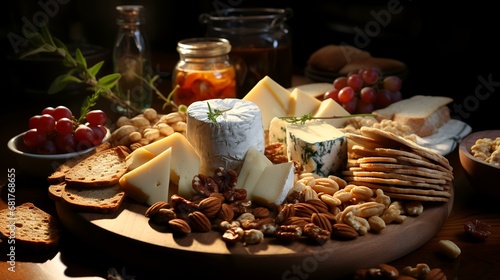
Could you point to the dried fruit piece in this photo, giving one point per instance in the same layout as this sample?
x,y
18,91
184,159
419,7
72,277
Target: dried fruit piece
x,y
477,229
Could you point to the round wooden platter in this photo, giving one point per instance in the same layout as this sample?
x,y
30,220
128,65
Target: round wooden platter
x,y
130,236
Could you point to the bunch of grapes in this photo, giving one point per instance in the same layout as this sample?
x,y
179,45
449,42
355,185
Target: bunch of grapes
x,y
56,131
365,90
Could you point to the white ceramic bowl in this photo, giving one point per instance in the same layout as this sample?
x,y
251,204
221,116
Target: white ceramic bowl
x,y
41,165
483,176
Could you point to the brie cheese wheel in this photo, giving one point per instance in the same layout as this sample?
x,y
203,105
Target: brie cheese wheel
x,y
318,146
224,143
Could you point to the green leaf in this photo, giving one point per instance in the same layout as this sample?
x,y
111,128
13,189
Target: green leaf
x,y
109,81
61,82
95,69
80,59
41,49
46,35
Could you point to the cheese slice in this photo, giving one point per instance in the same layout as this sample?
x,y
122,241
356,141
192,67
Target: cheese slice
x,y
274,184
319,147
272,99
254,164
138,157
302,103
183,168
149,183
329,108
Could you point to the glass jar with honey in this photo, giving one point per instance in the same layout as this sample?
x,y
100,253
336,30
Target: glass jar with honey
x,y
203,71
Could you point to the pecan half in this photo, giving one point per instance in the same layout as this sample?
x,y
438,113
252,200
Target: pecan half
x,y
163,216
435,274
320,205
199,222
261,212
321,221
288,233
316,233
153,209
226,212
179,226
233,234
286,211
210,206
303,209
344,231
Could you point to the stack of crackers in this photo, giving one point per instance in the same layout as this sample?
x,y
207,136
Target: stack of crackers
x,y
401,168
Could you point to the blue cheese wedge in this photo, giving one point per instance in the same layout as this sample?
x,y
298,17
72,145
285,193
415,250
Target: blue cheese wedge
x,y
318,146
224,143
277,130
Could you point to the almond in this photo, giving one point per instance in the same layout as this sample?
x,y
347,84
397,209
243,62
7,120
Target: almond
x,y
210,206
179,226
153,209
199,222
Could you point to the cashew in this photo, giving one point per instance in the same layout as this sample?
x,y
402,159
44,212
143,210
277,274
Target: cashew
x,y
449,248
414,208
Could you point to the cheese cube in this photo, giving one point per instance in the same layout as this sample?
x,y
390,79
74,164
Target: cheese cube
x,y
329,108
318,146
302,103
253,166
149,183
274,184
272,99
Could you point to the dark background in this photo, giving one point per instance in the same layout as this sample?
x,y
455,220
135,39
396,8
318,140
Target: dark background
x,y
448,48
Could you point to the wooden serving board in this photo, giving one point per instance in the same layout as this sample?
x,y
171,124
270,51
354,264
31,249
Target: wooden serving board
x,y
128,235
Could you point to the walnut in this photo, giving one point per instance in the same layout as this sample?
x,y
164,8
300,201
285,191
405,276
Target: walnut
x,y
316,233
233,235
253,236
288,233
286,211
225,179
276,152
182,205
204,185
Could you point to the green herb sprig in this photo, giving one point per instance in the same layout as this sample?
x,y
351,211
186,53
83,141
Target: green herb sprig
x,y
213,114
307,117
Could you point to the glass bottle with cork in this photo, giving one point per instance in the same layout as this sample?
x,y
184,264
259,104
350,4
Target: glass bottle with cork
x,y
132,59
203,71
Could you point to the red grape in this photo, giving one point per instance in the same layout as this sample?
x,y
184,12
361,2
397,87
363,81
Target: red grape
x,y
364,108
47,147
392,83
383,98
33,122
368,95
32,138
46,124
355,81
333,94
340,82
62,112
96,117
396,96
99,133
65,143
48,110
64,126
84,133
346,94
370,76
351,105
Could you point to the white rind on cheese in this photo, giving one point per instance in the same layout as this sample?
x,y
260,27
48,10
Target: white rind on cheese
x,y
253,166
225,142
329,108
184,166
277,130
318,146
149,183
274,184
272,99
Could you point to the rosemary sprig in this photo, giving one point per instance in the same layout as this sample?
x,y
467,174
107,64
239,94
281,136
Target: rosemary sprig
x,y
213,114
307,117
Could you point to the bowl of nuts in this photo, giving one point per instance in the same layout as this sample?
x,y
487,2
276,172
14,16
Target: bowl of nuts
x,y
479,154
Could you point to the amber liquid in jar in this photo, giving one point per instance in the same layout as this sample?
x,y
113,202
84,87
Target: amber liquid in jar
x,y
204,71
198,85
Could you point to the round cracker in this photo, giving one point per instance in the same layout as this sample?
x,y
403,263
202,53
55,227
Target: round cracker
x,y
377,159
404,169
393,189
393,175
392,181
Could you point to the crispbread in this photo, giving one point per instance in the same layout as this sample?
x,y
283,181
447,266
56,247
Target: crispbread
x,y
97,200
392,181
102,169
30,226
391,190
55,190
58,175
404,169
393,175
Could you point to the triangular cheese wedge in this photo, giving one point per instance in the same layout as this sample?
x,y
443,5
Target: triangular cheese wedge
x,y
302,103
329,108
274,184
149,183
253,165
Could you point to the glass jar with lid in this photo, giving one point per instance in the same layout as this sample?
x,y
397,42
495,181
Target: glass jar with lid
x,y
260,40
204,71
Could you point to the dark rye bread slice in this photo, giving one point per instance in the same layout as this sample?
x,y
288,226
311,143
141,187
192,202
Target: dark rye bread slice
x,y
102,169
60,172
30,227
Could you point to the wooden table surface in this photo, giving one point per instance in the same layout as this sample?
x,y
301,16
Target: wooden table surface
x,y
78,259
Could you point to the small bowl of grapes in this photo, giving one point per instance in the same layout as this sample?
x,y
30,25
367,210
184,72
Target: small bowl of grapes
x,y
55,136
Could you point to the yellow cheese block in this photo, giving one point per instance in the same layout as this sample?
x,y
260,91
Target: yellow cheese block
x,y
138,157
329,108
272,99
302,103
149,183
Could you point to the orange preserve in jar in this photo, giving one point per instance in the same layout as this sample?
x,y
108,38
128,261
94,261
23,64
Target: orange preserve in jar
x,y
203,71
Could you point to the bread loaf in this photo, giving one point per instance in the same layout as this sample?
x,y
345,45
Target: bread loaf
x,y
30,227
423,114
102,169
333,57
